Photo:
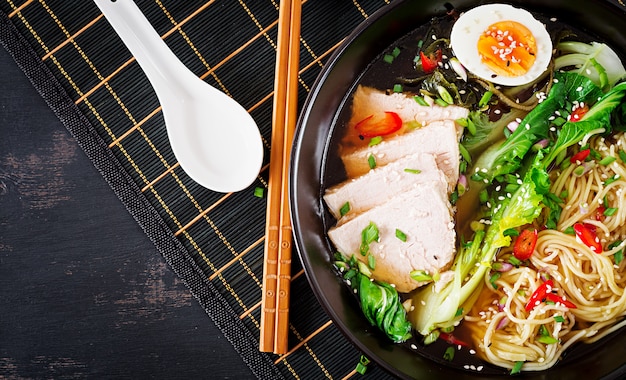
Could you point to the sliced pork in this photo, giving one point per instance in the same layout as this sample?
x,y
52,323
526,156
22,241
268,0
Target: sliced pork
x,y
438,138
368,101
385,182
424,216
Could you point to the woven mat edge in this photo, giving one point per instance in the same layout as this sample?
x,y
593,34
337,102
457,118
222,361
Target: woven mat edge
x,y
174,253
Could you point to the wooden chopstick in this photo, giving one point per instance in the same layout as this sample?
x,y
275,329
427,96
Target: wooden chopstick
x,y
278,234
284,253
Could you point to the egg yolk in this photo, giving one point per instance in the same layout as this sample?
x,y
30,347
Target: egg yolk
x,y
508,48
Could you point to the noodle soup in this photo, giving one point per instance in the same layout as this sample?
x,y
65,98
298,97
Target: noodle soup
x,y
536,216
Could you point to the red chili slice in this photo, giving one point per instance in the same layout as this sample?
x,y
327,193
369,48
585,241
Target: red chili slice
x,y
578,113
580,156
539,294
430,62
588,237
375,125
452,339
559,299
525,244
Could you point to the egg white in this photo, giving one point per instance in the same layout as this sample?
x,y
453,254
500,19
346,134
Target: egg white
x,y
467,30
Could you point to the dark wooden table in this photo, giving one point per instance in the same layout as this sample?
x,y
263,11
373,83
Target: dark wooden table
x,y
83,292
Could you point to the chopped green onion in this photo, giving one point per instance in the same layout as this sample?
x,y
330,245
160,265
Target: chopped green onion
x,y
517,368
611,180
460,189
454,197
465,154
344,209
259,192
447,329
471,127
547,340
371,261
622,155
388,58
579,171
494,277
445,95
412,171
397,88
396,51
375,140
608,160
400,235
484,100
559,318
371,161
421,275
594,154
449,354
440,102
342,266
514,261
420,100
361,367
412,124
364,269
462,122
569,230
368,236
618,256
340,257
610,211
431,337
459,312
350,274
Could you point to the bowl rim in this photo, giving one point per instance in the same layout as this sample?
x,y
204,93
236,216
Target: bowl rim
x,y
304,116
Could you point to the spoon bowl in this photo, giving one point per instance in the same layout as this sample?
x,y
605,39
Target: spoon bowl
x,y
215,140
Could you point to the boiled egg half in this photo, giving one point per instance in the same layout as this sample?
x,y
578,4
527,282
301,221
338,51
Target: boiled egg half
x,y
502,44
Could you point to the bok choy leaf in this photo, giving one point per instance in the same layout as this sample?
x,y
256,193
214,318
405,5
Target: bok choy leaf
x,y
379,301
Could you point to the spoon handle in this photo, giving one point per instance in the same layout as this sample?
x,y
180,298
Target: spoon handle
x,y
163,69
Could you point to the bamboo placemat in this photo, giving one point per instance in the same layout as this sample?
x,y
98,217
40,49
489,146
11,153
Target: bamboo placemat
x,y
213,241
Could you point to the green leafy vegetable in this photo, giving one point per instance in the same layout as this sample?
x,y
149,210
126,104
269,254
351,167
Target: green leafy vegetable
x,y
598,119
507,157
595,60
379,301
381,306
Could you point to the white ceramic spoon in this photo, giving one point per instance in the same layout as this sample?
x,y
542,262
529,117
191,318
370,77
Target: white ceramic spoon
x,y
214,138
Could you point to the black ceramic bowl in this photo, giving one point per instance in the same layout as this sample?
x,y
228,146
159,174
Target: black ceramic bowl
x,y
312,159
